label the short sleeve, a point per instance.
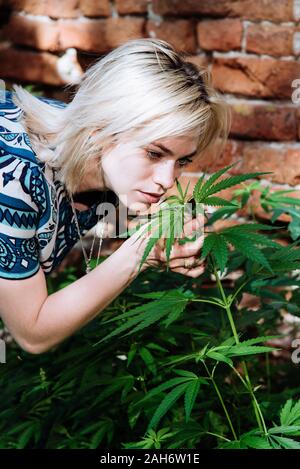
(19, 252)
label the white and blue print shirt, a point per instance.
(37, 225)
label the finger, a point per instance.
(188, 249)
(194, 225)
(187, 262)
(194, 273)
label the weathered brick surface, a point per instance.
(206, 30)
(95, 8)
(53, 8)
(223, 35)
(89, 35)
(261, 77)
(125, 7)
(282, 160)
(179, 33)
(273, 10)
(62, 8)
(100, 35)
(264, 122)
(270, 39)
(31, 66)
(199, 60)
(40, 34)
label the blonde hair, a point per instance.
(143, 88)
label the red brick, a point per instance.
(264, 122)
(283, 160)
(89, 35)
(41, 34)
(95, 8)
(223, 35)
(100, 35)
(180, 33)
(53, 8)
(30, 67)
(269, 78)
(62, 8)
(272, 10)
(125, 7)
(270, 39)
(199, 60)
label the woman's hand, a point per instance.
(184, 259)
(189, 265)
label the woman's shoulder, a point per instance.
(14, 139)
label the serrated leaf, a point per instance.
(256, 442)
(172, 303)
(225, 212)
(170, 238)
(218, 202)
(201, 187)
(286, 430)
(246, 227)
(167, 403)
(285, 412)
(248, 249)
(190, 397)
(171, 383)
(148, 359)
(219, 357)
(290, 414)
(287, 443)
(220, 252)
(240, 349)
(263, 338)
(186, 373)
(208, 244)
(231, 181)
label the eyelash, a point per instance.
(185, 161)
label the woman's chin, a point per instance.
(132, 204)
(135, 207)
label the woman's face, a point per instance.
(132, 172)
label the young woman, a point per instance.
(138, 117)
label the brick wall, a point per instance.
(251, 46)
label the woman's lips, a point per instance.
(150, 198)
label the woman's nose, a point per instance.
(165, 175)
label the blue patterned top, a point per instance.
(37, 225)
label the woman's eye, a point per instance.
(153, 155)
(184, 161)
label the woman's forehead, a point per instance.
(173, 144)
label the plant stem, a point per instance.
(255, 400)
(218, 436)
(257, 410)
(221, 400)
(268, 372)
(208, 301)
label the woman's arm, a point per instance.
(38, 321)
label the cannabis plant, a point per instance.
(176, 362)
(265, 257)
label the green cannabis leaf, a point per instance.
(168, 222)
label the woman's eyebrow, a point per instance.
(169, 152)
